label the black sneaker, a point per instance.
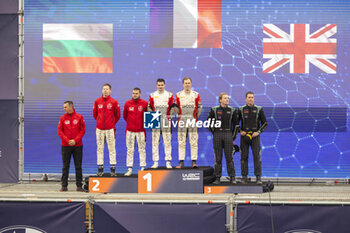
(258, 180)
(181, 165)
(244, 179)
(100, 171)
(63, 189)
(217, 180)
(233, 180)
(113, 171)
(194, 164)
(80, 189)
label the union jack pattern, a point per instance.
(299, 48)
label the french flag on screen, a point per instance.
(185, 23)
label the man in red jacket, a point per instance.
(133, 115)
(106, 113)
(71, 129)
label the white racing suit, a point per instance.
(189, 107)
(161, 101)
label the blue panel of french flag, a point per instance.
(185, 23)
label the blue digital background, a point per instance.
(307, 114)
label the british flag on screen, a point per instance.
(304, 44)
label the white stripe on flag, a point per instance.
(185, 23)
(78, 32)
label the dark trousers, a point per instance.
(67, 152)
(255, 145)
(223, 140)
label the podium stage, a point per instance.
(162, 180)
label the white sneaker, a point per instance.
(155, 165)
(168, 165)
(142, 168)
(129, 172)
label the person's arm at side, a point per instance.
(150, 106)
(263, 121)
(117, 113)
(125, 112)
(235, 124)
(95, 110)
(211, 117)
(176, 107)
(199, 105)
(240, 119)
(82, 130)
(170, 105)
(60, 130)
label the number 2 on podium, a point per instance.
(148, 178)
(96, 188)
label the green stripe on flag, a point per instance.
(77, 48)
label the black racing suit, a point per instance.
(252, 120)
(224, 136)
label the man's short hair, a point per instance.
(108, 85)
(69, 102)
(249, 92)
(160, 80)
(222, 94)
(137, 89)
(186, 78)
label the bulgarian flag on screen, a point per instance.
(185, 23)
(78, 48)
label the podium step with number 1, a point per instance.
(171, 181)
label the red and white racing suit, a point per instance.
(161, 101)
(133, 115)
(189, 108)
(106, 112)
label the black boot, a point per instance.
(244, 179)
(233, 180)
(258, 180)
(217, 180)
(100, 170)
(113, 171)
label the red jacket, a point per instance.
(71, 126)
(106, 113)
(133, 114)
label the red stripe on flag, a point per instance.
(330, 65)
(77, 65)
(276, 65)
(323, 31)
(272, 33)
(209, 24)
(300, 48)
(290, 48)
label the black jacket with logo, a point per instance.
(228, 117)
(252, 118)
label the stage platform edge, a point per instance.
(226, 187)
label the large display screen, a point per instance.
(294, 55)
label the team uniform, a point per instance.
(72, 126)
(162, 102)
(189, 108)
(106, 112)
(223, 138)
(252, 120)
(133, 115)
